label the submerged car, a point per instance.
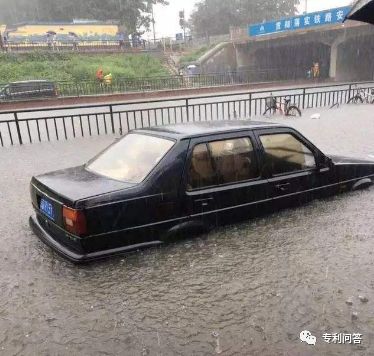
(158, 183)
(29, 89)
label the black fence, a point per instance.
(124, 85)
(29, 126)
(81, 46)
(36, 89)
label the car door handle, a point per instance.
(204, 202)
(283, 187)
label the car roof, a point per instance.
(32, 81)
(205, 128)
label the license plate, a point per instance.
(47, 209)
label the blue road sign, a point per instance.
(314, 19)
(179, 37)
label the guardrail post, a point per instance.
(18, 129)
(112, 118)
(250, 105)
(187, 111)
(304, 98)
(350, 90)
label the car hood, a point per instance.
(350, 160)
(77, 183)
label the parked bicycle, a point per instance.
(363, 96)
(285, 108)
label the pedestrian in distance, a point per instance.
(108, 79)
(121, 38)
(49, 40)
(54, 42)
(5, 42)
(100, 75)
(309, 73)
(316, 70)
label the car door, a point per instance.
(18, 91)
(293, 166)
(222, 179)
(198, 187)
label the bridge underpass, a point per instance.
(344, 52)
(289, 61)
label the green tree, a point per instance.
(214, 17)
(133, 14)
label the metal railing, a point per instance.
(54, 124)
(27, 44)
(82, 46)
(125, 85)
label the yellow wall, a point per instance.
(2, 29)
(79, 29)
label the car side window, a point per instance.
(284, 153)
(234, 160)
(201, 172)
(222, 162)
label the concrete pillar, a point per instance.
(333, 59)
(334, 48)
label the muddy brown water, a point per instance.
(246, 289)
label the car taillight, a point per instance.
(74, 221)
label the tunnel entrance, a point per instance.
(291, 62)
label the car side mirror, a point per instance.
(324, 164)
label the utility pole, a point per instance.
(184, 28)
(306, 6)
(153, 26)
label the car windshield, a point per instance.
(132, 158)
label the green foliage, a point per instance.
(76, 67)
(214, 17)
(131, 13)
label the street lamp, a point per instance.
(182, 23)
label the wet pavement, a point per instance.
(247, 289)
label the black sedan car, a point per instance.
(28, 90)
(159, 183)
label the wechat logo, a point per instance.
(306, 336)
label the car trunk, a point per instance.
(51, 191)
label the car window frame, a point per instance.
(266, 132)
(215, 138)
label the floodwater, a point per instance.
(247, 289)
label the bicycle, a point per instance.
(286, 108)
(362, 96)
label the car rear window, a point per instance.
(132, 158)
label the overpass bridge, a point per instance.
(345, 52)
